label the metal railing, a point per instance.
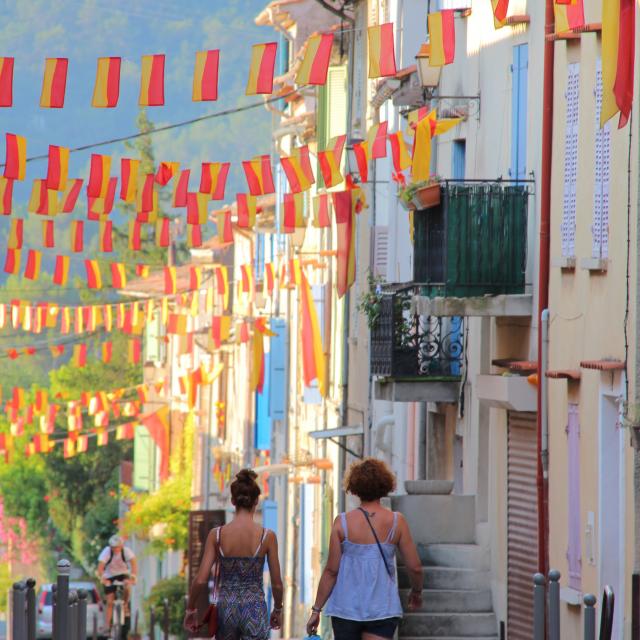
(546, 610)
(406, 344)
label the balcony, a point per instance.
(470, 251)
(415, 357)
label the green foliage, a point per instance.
(5, 584)
(174, 590)
(370, 302)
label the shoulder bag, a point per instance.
(375, 535)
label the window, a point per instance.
(519, 88)
(458, 159)
(600, 226)
(568, 227)
(574, 547)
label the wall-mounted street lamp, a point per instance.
(429, 76)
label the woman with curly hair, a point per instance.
(358, 584)
(240, 547)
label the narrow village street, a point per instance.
(319, 319)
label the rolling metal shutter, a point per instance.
(522, 523)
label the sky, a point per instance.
(83, 30)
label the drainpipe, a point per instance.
(543, 279)
(544, 394)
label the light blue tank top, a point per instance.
(364, 590)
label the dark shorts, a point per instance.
(111, 589)
(353, 629)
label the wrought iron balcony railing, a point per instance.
(407, 345)
(474, 242)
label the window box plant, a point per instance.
(420, 195)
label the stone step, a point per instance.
(451, 601)
(449, 578)
(448, 624)
(465, 556)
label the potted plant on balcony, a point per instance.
(370, 302)
(420, 195)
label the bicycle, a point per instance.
(118, 613)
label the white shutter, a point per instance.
(568, 228)
(380, 239)
(600, 224)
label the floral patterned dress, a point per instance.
(242, 610)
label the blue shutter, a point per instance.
(260, 256)
(459, 159)
(263, 419)
(519, 112)
(278, 370)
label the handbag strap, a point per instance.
(216, 570)
(375, 535)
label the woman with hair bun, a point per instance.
(358, 584)
(240, 547)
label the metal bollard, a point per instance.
(152, 624)
(95, 626)
(589, 617)
(31, 609)
(538, 606)
(73, 615)
(554, 605)
(19, 618)
(165, 616)
(62, 600)
(82, 614)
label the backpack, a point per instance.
(108, 562)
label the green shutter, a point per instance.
(153, 344)
(144, 460)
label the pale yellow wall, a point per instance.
(587, 314)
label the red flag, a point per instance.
(58, 168)
(377, 140)
(15, 164)
(106, 236)
(12, 261)
(6, 196)
(54, 83)
(106, 90)
(205, 76)
(214, 178)
(157, 425)
(263, 60)
(48, 238)
(181, 189)
(343, 204)
(361, 152)
(70, 195)
(152, 81)
(315, 64)
(623, 87)
(77, 236)
(6, 82)
(61, 271)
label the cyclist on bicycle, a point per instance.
(116, 563)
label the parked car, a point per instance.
(95, 610)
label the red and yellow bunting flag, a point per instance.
(361, 152)
(213, 179)
(421, 161)
(170, 285)
(166, 171)
(269, 278)
(135, 235)
(129, 169)
(58, 168)
(99, 174)
(77, 236)
(442, 37)
(297, 168)
(6, 82)
(70, 195)
(157, 424)
(399, 152)
(99, 207)
(43, 201)
(16, 230)
(569, 15)
(194, 236)
(54, 83)
(106, 91)
(225, 228)
(205, 76)
(197, 208)
(94, 277)
(313, 360)
(105, 236)
(80, 354)
(246, 278)
(15, 164)
(181, 189)
(82, 444)
(500, 8)
(152, 81)
(32, 270)
(256, 381)
(102, 438)
(145, 196)
(163, 232)
(69, 448)
(346, 204)
(382, 56)
(107, 352)
(6, 196)
(177, 324)
(618, 55)
(195, 278)
(222, 284)
(263, 61)
(220, 329)
(321, 211)
(293, 212)
(247, 208)
(134, 351)
(330, 160)
(125, 431)
(61, 271)
(315, 63)
(48, 234)
(377, 140)
(259, 175)
(118, 275)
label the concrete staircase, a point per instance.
(457, 593)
